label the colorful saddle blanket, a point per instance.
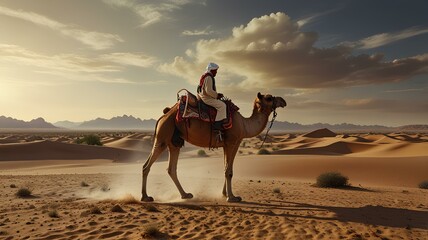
(190, 107)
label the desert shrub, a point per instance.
(84, 184)
(95, 210)
(263, 151)
(202, 153)
(423, 185)
(13, 186)
(90, 140)
(151, 231)
(3, 233)
(53, 214)
(332, 180)
(277, 190)
(117, 208)
(23, 193)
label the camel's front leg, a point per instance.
(156, 151)
(229, 155)
(172, 171)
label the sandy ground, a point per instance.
(279, 199)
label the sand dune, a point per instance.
(133, 142)
(128, 146)
(320, 133)
(48, 150)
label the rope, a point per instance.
(271, 123)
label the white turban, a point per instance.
(212, 66)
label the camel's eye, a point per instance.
(269, 99)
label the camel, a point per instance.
(196, 133)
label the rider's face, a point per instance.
(214, 72)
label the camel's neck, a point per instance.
(255, 124)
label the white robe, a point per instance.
(209, 96)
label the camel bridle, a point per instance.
(273, 119)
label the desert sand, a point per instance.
(280, 200)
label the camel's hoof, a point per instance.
(147, 199)
(234, 199)
(187, 196)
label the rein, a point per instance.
(271, 123)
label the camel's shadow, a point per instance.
(374, 215)
(371, 215)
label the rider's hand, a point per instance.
(220, 95)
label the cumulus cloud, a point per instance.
(271, 52)
(95, 40)
(149, 13)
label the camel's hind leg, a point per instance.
(172, 170)
(156, 151)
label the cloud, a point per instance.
(132, 59)
(203, 32)
(63, 62)
(95, 40)
(310, 19)
(271, 52)
(383, 39)
(72, 66)
(150, 13)
(405, 90)
(361, 104)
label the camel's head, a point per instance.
(267, 103)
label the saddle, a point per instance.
(189, 106)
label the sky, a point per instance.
(333, 61)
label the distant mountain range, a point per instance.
(130, 122)
(123, 122)
(7, 122)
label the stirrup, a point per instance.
(219, 136)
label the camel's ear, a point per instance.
(259, 96)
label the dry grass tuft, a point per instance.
(23, 193)
(84, 184)
(332, 180)
(423, 185)
(263, 151)
(53, 214)
(151, 231)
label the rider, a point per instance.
(208, 93)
